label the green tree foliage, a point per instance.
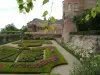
(9, 27)
(45, 13)
(88, 22)
(24, 29)
(27, 5)
(94, 12)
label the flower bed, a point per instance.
(37, 64)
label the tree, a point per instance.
(94, 12)
(9, 27)
(24, 29)
(85, 25)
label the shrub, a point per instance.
(29, 45)
(90, 66)
(91, 24)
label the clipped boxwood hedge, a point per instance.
(8, 54)
(23, 48)
(29, 45)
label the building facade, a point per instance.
(72, 8)
(36, 27)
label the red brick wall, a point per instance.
(90, 3)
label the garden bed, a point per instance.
(8, 54)
(31, 56)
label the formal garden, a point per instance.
(30, 57)
(68, 53)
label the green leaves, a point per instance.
(93, 12)
(45, 24)
(46, 30)
(87, 17)
(98, 8)
(45, 13)
(25, 6)
(30, 5)
(52, 27)
(27, 9)
(21, 6)
(98, 3)
(20, 2)
(29, 1)
(53, 20)
(45, 1)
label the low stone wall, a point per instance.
(84, 44)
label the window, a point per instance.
(76, 6)
(69, 6)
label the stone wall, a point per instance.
(84, 43)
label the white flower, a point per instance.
(91, 51)
(81, 59)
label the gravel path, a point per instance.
(10, 44)
(64, 69)
(17, 58)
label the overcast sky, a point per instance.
(9, 12)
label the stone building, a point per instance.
(70, 9)
(35, 27)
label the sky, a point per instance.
(9, 12)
